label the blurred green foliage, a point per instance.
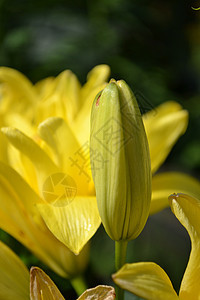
(155, 47)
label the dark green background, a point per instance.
(155, 47)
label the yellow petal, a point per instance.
(187, 211)
(18, 121)
(43, 164)
(72, 159)
(15, 158)
(164, 126)
(81, 125)
(101, 292)
(51, 107)
(59, 97)
(68, 87)
(73, 224)
(42, 287)
(17, 206)
(7, 174)
(3, 145)
(44, 87)
(164, 184)
(17, 90)
(97, 78)
(57, 134)
(14, 276)
(20, 218)
(146, 280)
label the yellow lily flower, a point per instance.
(24, 222)
(16, 283)
(148, 280)
(61, 146)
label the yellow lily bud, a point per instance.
(120, 162)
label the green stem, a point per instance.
(79, 284)
(120, 259)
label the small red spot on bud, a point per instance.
(98, 99)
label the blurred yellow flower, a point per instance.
(148, 280)
(51, 153)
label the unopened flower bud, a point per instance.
(120, 162)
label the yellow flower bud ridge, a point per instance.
(120, 162)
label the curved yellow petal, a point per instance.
(44, 87)
(8, 176)
(18, 92)
(20, 218)
(17, 206)
(68, 87)
(57, 134)
(58, 97)
(96, 81)
(164, 184)
(96, 77)
(50, 107)
(3, 144)
(49, 103)
(164, 126)
(72, 159)
(43, 164)
(81, 125)
(14, 276)
(42, 287)
(187, 211)
(18, 121)
(100, 292)
(73, 224)
(10, 154)
(146, 280)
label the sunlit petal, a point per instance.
(42, 287)
(187, 211)
(11, 155)
(73, 224)
(17, 90)
(43, 164)
(9, 176)
(3, 144)
(164, 125)
(72, 159)
(146, 280)
(68, 87)
(97, 76)
(164, 184)
(20, 218)
(96, 81)
(45, 87)
(14, 276)
(21, 123)
(101, 292)
(59, 97)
